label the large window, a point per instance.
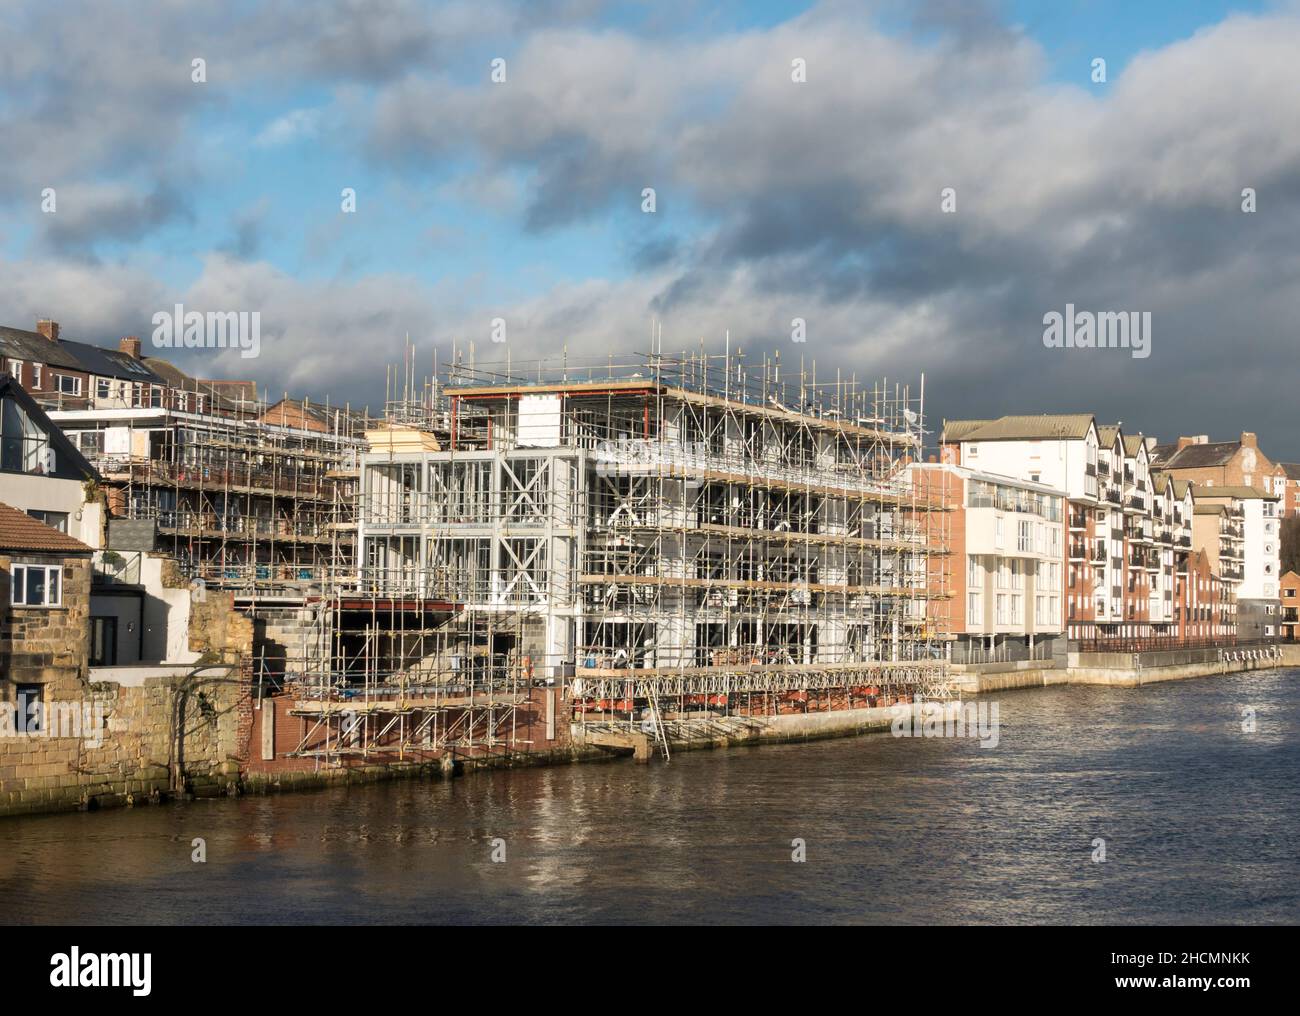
(24, 447)
(37, 585)
(67, 384)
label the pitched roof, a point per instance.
(19, 531)
(20, 344)
(1133, 443)
(225, 395)
(1195, 456)
(1106, 435)
(1239, 492)
(1161, 452)
(956, 430)
(1292, 470)
(109, 362)
(1034, 427)
(1210, 509)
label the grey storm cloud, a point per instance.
(779, 200)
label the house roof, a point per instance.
(956, 430)
(1196, 456)
(1162, 452)
(1292, 470)
(19, 531)
(1106, 434)
(110, 362)
(20, 344)
(225, 395)
(1210, 509)
(1133, 443)
(1035, 427)
(1241, 493)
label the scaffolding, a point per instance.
(647, 542)
(246, 495)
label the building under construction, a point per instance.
(634, 546)
(247, 496)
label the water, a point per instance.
(1201, 822)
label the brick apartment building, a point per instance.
(1000, 585)
(1290, 606)
(1153, 556)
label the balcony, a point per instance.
(1112, 496)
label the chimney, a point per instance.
(50, 329)
(1183, 442)
(1248, 440)
(130, 346)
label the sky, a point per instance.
(774, 199)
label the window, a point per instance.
(973, 611)
(37, 585)
(36, 375)
(16, 369)
(997, 531)
(30, 708)
(55, 520)
(24, 446)
(67, 384)
(156, 397)
(102, 388)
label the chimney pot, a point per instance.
(50, 329)
(130, 346)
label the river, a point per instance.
(1200, 818)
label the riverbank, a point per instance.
(31, 785)
(1121, 670)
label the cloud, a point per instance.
(778, 200)
(85, 215)
(298, 125)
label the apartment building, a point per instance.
(1207, 611)
(1128, 529)
(1290, 586)
(1005, 567)
(1244, 540)
(1208, 463)
(1289, 507)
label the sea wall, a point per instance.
(1121, 670)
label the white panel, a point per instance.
(539, 421)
